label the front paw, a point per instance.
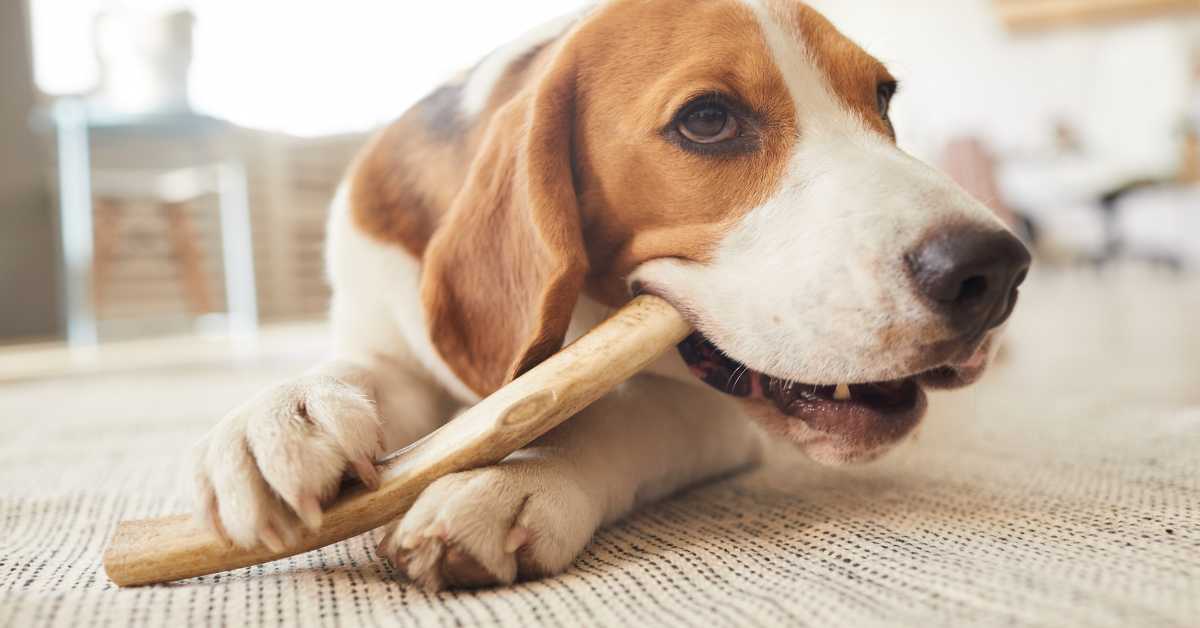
(522, 519)
(264, 471)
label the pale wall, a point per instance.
(27, 247)
(1123, 86)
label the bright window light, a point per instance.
(301, 67)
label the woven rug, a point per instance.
(1064, 491)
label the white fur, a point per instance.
(293, 441)
(377, 290)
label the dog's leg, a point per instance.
(266, 468)
(532, 514)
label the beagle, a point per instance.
(734, 157)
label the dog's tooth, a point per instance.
(842, 393)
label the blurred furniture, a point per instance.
(1106, 212)
(1045, 14)
(968, 161)
(1189, 162)
(1156, 221)
(1061, 193)
(87, 241)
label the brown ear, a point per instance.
(503, 272)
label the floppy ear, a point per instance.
(503, 272)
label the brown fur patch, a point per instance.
(394, 200)
(502, 275)
(409, 174)
(644, 198)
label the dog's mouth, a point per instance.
(860, 417)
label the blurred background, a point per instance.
(165, 165)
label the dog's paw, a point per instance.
(265, 470)
(522, 519)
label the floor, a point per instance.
(1063, 490)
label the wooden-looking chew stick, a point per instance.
(173, 548)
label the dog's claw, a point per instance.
(517, 538)
(367, 472)
(270, 538)
(309, 512)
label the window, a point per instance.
(305, 67)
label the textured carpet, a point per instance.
(1063, 491)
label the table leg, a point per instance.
(75, 222)
(238, 249)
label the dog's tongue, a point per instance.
(795, 399)
(791, 398)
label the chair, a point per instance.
(91, 212)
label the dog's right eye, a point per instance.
(713, 125)
(708, 123)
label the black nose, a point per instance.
(971, 275)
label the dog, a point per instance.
(734, 157)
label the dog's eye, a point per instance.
(884, 93)
(708, 123)
(714, 125)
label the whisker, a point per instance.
(736, 377)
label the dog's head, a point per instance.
(736, 158)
